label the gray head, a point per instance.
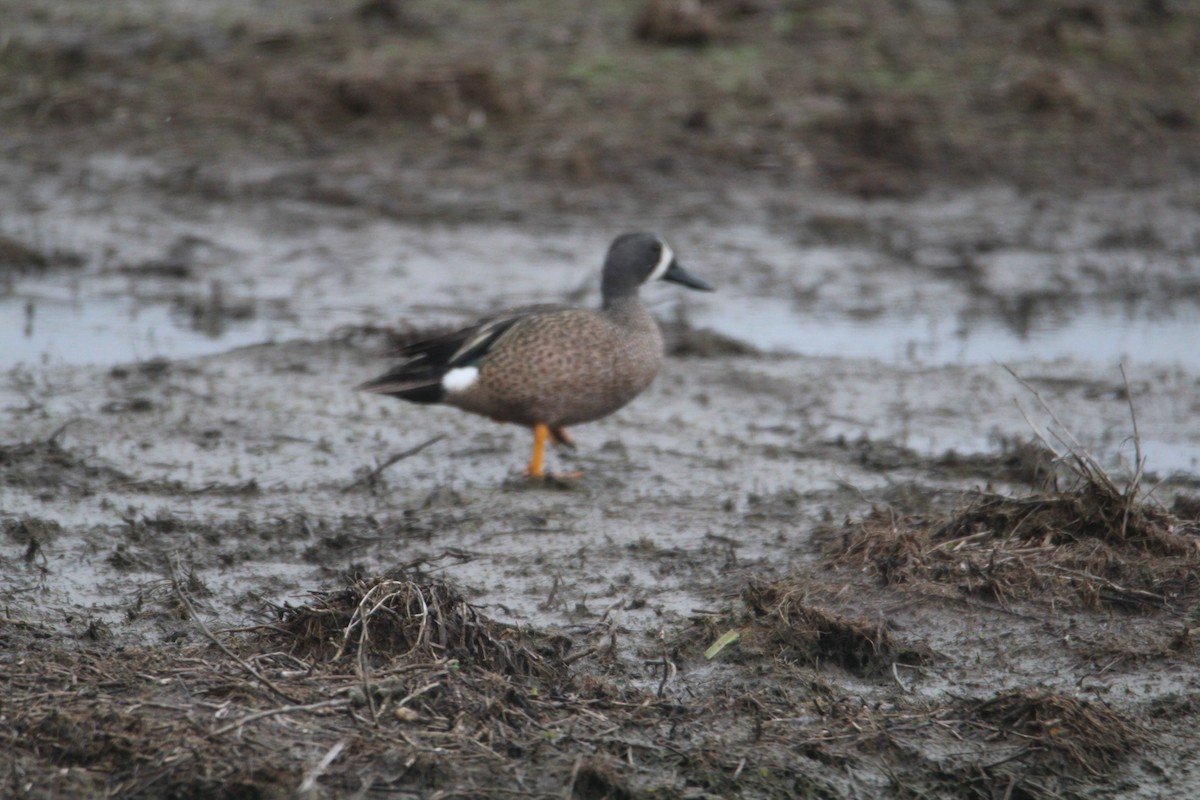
(637, 258)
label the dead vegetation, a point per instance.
(783, 626)
(813, 635)
(1042, 548)
(867, 97)
(1038, 744)
(1057, 728)
(396, 620)
(398, 685)
(1097, 542)
(394, 685)
(387, 685)
(678, 22)
(454, 93)
(18, 257)
(47, 466)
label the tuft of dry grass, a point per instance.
(18, 257)
(395, 621)
(1040, 548)
(1085, 735)
(451, 92)
(1099, 541)
(675, 22)
(783, 625)
(47, 464)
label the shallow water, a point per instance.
(108, 331)
(1102, 334)
(39, 327)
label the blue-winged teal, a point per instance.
(547, 367)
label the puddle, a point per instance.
(110, 330)
(107, 331)
(1169, 458)
(1100, 335)
(298, 271)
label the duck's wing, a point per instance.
(418, 378)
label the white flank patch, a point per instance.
(664, 261)
(460, 378)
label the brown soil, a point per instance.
(866, 97)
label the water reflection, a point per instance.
(1039, 329)
(110, 330)
(107, 331)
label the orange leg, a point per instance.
(536, 468)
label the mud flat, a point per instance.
(211, 586)
(911, 511)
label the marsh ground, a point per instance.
(215, 221)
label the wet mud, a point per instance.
(912, 510)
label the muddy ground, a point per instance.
(911, 511)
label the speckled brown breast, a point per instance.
(567, 367)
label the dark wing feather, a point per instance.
(418, 378)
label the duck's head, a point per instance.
(637, 258)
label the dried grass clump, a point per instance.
(1084, 734)
(1044, 547)
(1097, 507)
(1098, 541)
(19, 257)
(1088, 512)
(46, 463)
(676, 22)
(75, 723)
(596, 778)
(389, 619)
(454, 92)
(813, 635)
(1049, 91)
(1186, 507)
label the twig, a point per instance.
(571, 659)
(245, 665)
(270, 712)
(374, 474)
(668, 665)
(1086, 466)
(1137, 437)
(954, 544)
(569, 791)
(310, 780)
(53, 438)
(900, 683)
(1156, 600)
(364, 668)
(1139, 459)
(414, 694)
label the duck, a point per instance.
(549, 367)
